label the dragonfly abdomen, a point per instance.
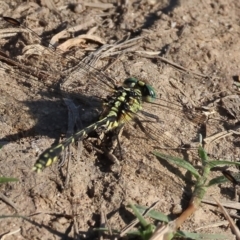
(49, 156)
(123, 105)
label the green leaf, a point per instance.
(188, 235)
(202, 154)
(153, 214)
(141, 219)
(6, 179)
(180, 162)
(214, 163)
(237, 84)
(13, 216)
(217, 180)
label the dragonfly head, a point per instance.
(148, 92)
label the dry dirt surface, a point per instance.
(189, 51)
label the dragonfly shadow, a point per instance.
(174, 170)
(185, 177)
(47, 116)
(227, 191)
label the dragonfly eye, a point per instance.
(130, 82)
(149, 93)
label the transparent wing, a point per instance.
(175, 130)
(51, 66)
(165, 127)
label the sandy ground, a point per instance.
(187, 50)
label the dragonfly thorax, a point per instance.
(123, 104)
(147, 91)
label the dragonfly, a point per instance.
(133, 103)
